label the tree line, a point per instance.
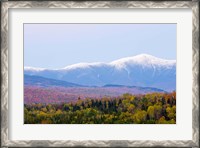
(154, 108)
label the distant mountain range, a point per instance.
(141, 70)
(39, 81)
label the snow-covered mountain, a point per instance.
(141, 70)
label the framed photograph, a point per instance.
(99, 73)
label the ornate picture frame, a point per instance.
(6, 5)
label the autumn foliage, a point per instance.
(154, 108)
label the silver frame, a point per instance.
(5, 142)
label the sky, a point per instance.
(55, 46)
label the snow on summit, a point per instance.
(34, 69)
(144, 60)
(83, 65)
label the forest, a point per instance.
(152, 108)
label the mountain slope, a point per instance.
(46, 82)
(141, 70)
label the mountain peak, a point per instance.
(144, 60)
(83, 65)
(145, 56)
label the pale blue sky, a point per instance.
(59, 45)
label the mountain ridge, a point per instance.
(136, 58)
(141, 70)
